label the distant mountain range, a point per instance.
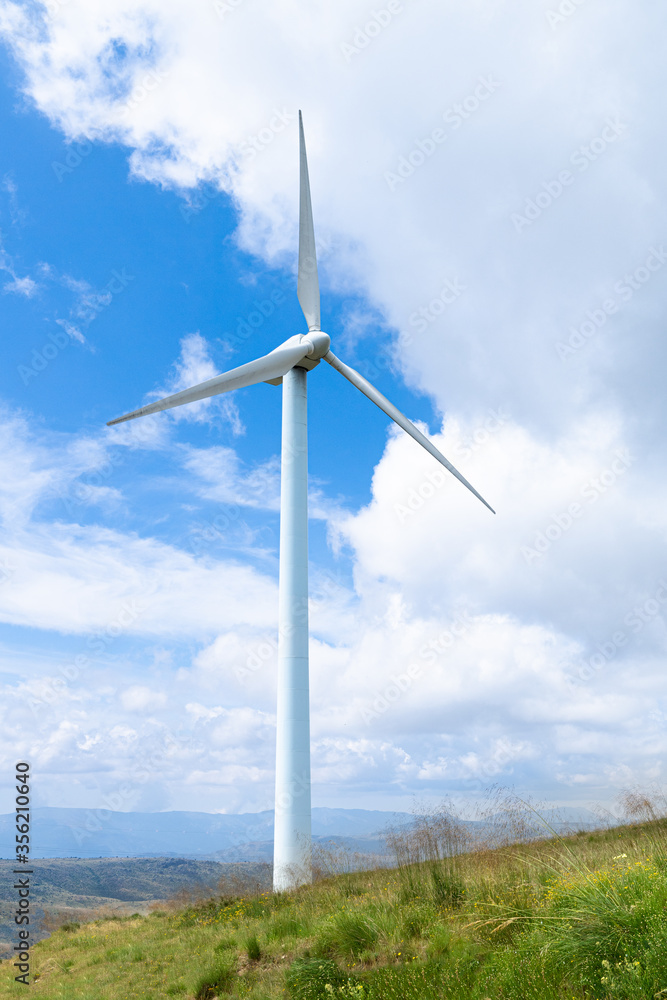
(89, 833)
(222, 837)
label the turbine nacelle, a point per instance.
(316, 344)
(319, 346)
(320, 341)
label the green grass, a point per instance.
(584, 918)
(219, 979)
(253, 949)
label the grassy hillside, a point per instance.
(59, 880)
(583, 918)
(66, 889)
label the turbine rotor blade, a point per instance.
(376, 397)
(308, 287)
(270, 366)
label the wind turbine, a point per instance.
(289, 364)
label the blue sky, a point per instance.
(490, 223)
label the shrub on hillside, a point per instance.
(601, 931)
(308, 979)
(225, 944)
(252, 948)
(348, 934)
(286, 927)
(219, 979)
(447, 889)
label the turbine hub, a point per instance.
(320, 343)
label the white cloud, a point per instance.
(195, 97)
(156, 76)
(148, 433)
(139, 698)
(22, 286)
(17, 213)
(194, 366)
(71, 330)
(198, 712)
(25, 286)
(223, 478)
(549, 547)
(92, 578)
(75, 578)
(438, 671)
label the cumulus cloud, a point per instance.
(82, 579)
(560, 506)
(499, 204)
(221, 477)
(156, 76)
(140, 698)
(195, 365)
(74, 578)
(22, 286)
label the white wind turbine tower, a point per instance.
(289, 364)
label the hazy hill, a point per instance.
(83, 833)
(86, 833)
(75, 881)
